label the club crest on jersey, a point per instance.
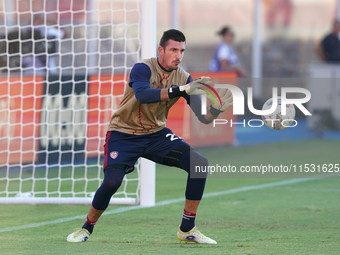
(114, 154)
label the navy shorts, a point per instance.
(123, 150)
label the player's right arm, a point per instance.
(214, 110)
(140, 83)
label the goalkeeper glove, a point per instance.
(190, 88)
(226, 99)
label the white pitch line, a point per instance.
(162, 203)
(310, 189)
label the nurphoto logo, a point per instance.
(238, 106)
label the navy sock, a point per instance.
(89, 225)
(112, 181)
(188, 221)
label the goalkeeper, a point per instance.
(137, 129)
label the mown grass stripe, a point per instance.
(162, 203)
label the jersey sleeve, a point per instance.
(195, 103)
(140, 83)
(140, 73)
(190, 79)
(144, 94)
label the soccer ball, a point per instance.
(276, 120)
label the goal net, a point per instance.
(63, 69)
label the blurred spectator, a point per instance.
(329, 48)
(278, 13)
(44, 51)
(224, 58)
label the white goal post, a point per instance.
(63, 69)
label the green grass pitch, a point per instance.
(294, 218)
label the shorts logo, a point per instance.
(114, 154)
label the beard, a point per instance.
(169, 67)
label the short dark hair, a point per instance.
(224, 30)
(171, 34)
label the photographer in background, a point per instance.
(329, 48)
(224, 58)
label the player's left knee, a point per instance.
(187, 159)
(196, 161)
(175, 157)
